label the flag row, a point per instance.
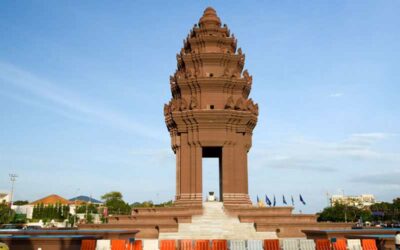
(273, 202)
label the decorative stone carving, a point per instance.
(188, 73)
(196, 70)
(226, 71)
(194, 89)
(229, 103)
(247, 76)
(249, 104)
(183, 104)
(166, 109)
(172, 80)
(239, 104)
(236, 74)
(174, 105)
(255, 111)
(193, 103)
(241, 61)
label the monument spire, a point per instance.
(210, 113)
(209, 18)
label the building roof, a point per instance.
(3, 195)
(52, 199)
(84, 198)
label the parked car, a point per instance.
(11, 227)
(32, 227)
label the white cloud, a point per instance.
(67, 102)
(336, 95)
(391, 179)
(323, 156)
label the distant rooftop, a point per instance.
(85, 198)
(51, 199)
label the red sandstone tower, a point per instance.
(210, 113)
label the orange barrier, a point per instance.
(271, 245)
(167, 245)
(135, 245)
(369, 244)
(219, 245)
(202, 245)
(322, 244)
(340, 244)
(88, 245)
(186, 245)
(118, 244)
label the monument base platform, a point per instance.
(215, 220)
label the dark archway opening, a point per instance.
(212, 156)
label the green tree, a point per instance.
(87, 208)
(19, 218)
(6, 213)
(115, 204)
(20, 203)
(72, 219)
(341, 213)
(112, 195)
(89, 218)
(169, 203)
(386, 211)
(66, 211)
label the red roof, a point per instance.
(52, 199)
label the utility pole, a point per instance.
(13, 178)
(345, 207)
(328, 199)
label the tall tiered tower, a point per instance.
(210, 113)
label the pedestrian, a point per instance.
(397, 240)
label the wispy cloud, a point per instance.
(336, 95)
(68, 102)
(387, 179)
(323, 156)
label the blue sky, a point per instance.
(83, 83)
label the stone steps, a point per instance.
(214, 223)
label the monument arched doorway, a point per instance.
(207, 174)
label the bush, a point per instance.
(6, 213)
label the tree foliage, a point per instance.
(112, 195)
(386, 211)
(383, 211)
(6, 213)
(19, 218)
(151, 204)
(340, 212)
(20, 203)
(115, 204)
(87, 208)
(57, 212)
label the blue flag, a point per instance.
(258, 199)
(274, 201)
(302, 200)
(284, 200)
(292, 200)
(267, 201)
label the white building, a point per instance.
(360, 201)
(5, 197)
